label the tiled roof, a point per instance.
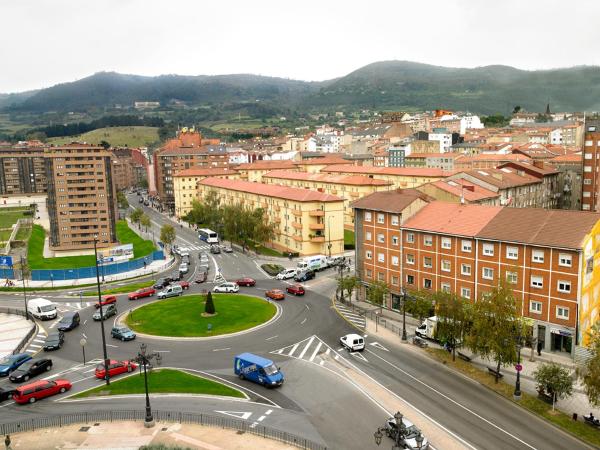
(270, 190)
(358, 180)
(501, 178)
(452, 218)
(495, 157)
(435, 155)
(389, 201)
(206, 149)
(572, 157)
(526, 166)
(471, 193)
(267, 165)
(550, 228)
(327, 160)
(204, 172)
(400, 171)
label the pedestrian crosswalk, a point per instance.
(37, 342)
(311, 349)
(72, 306)
(351, 315)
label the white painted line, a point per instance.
(261, 418)
(293, 349)
(83, 334)
(359, 356)
(244, 415)
(113, 346)
(35, 345)
(272, 337)
(307, 307)
(91, 370)
(269, 412)
(322, 363)
(327, 351)
(302, 323)
(221, 349)
(280, 351)
(162, 351)
(85, 321)
(39, 340)
(316, 351)
(253, 424)
(378, 345)
(305, 349)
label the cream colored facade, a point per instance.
(399, 177)
(307, 227)
(185, 184)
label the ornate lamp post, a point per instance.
(143, 359)
(106, 360)
(518, 367)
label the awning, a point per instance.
(561, 332)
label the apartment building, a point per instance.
(129, 167)
(81, 197)
(254, 171)
(460, 191)
(400, 177)
(488, 160)
(570, 168)
(347, 187)
(591, 166)
(444, 161)
(546, 257)
(185, 185)
(22, 169)
(307, 222)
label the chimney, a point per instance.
(539, 164)
(469, 187)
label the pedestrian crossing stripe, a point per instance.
(308, 350)
(351, 316)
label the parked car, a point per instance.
(106, 300)
(161, 283)
(353, 342)
(184, 284)
(245, 281)
(411, 433)
(141, 293)
(334, 261)
(170, 291)
(286, 274)
(175, 276)
(6, 393)
(32, 392)
(202, 256)
(201, 278)
(54, 340)
(30, 369)
(123, 333)
(69, 321)
(227, 288)
(226, 248)
(215, 249)
(12, 362)
(109, 311)
(296, 289)
(115, 368)
(305, 275)
(183, 268)
(275, 294)
(204, 267)
(185, 259)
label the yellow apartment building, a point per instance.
(400, 177)
(185, 184)
(308, 222)
(254, 171)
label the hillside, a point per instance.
(381, 85)
(116, 136)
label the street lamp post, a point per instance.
(329, 235)
(24, 289)
(102, 265)
(144, 359)
(404, 337)
(518, 367)
(106, 360)
(398, 434)
(342, 266)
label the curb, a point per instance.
(344, 317)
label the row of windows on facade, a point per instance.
(562, 312)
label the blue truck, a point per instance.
(258, 369)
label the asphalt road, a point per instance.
(315, 401)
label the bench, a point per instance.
(542, 394)
(464, 357)
(494, 372)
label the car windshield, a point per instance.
(100, 367)
(412, 432)
(47, 308)
(6, 361)
(271, 369)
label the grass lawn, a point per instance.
(36, 249)
(8, 218)
(5, 235)
(163, 381)
(23, 234)
(122, 289)
(116, 136)
(235, 312)
(348, 239)
(530, 402)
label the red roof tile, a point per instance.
(399, 171)
(204, 172)
(357, 180)
(471, 193)
(390, 201)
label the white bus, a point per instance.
(209, 236)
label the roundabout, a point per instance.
(185, 316)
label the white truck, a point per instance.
(41, 308)
(316, 263)
(427, 328)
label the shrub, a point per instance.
(272, 269)
(209, 307)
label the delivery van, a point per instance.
(170, 291)
(427, 328)
(258, 369)
(41, 308)
(316, 263)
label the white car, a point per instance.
(226, 288)
(183, 268)
(353, 342)
(286, 274)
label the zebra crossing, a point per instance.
(37, 343)
(351, 316)
(72, 306)
(315, 351)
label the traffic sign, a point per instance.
(6, 260)
(519, 367)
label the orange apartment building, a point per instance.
(411, 243)
(591, 166)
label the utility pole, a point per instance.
(106, 360)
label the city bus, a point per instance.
(204, 234)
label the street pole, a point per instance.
(517, 393)
(143, 358)
(329, 235)
(149, 420)
(106, 360)
(24, 289)
(404, 337)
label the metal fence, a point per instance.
(56, 421)
(374, 315)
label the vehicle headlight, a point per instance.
(273, 382)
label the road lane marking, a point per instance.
(316, 351)
(305, 349)
(244, 415)
(302, 323)
(221, 349)
(293, 349)
(113, 346)
(272, 337)
(378, 345)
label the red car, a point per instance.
(30, 393)
(245, 282)
(141, 293)
(115, 368)
(296, 289)
(106, 300)
(275, 294)
(183, 284)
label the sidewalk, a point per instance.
(577, 403)
(13, 329)
(133, 435)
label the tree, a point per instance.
(143, 183)
(209, 306)
(167, 234)
(136, 215)
(590, 371)
(145, 221)
(554, 380)
(122, 200)
(420, 305)
(377, 292)
(516, 109)
(495, 326)
(346, 286)
(105, 144)
(454, 318)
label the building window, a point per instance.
(380, 218)
(564, 286)
(512, 253)
(465, 293)
(487, 273)
(427, 283)
(465, 269)
(369, 273)
(394, 240)
(537, 281)
(466, 246)
(535, 307)
(445, 287)
(488, 249)
(537, 256)
(395, 220)
(564, 260)
(410, 279)
(446, 243)
(369, 254)
(395, 280)
(395, 260)
(367, 216)
(562, 312)
(511, 277)
(381, 257)
(380, 276)
(410, 238)
(410, 258)
(428, 240)
(368, 236)
(427, 262)
(380, 238)
(446, 265)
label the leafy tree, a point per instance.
(497, 120)
(555, 380)
(209, 306)
(145, 221)
(495, 326)
(136, 215)
(122, 200)
(377, 292)
(167, 234)
(105, 144)
(143, 183)
(516, 109)
(454, 318)
(590, 371)
(419, 304)
(346, 286)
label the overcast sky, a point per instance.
(44, 42)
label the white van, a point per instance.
(353, 342)
(41, 308)
(316, 263)
(170, 291)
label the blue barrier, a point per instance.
(90, 272)
(7, 273)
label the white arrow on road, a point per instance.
(359, 356)
(378, 345)
(239, 414)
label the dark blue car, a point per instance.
(11, 362)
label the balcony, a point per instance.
(297, 212)
(297, 226)
(317, 239)
(316, 213)
(297, 238)
(317, 226)
(354, 194)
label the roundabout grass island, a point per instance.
(183, 316)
